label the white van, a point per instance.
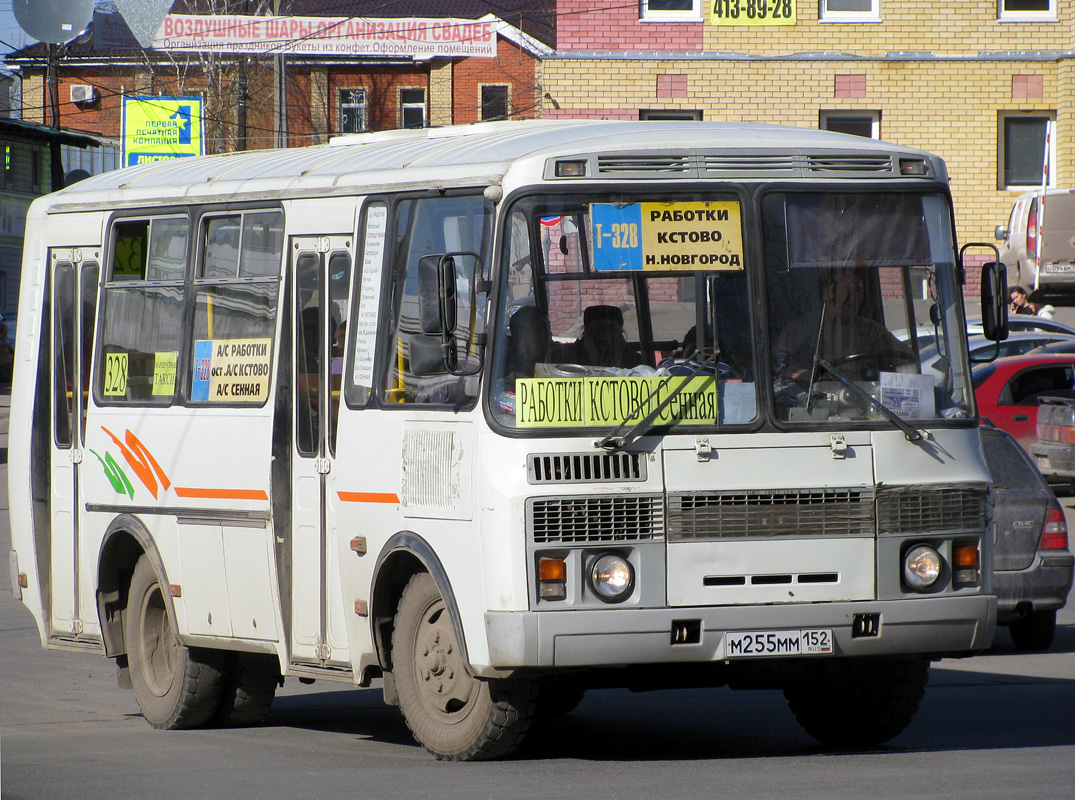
(1018, 252)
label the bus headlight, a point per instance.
(612, 577)
(921, 566)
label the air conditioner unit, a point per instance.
(83, 93)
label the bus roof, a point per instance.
(482, 153)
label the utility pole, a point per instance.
(279, 94)
(53, 83)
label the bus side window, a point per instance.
(141, 311)
(235, 295)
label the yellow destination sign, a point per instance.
(603, 402)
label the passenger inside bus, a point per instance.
(602, 343)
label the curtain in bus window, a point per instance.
(840, 230)
(140, 334)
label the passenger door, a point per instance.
(73, 304)
(321, 278)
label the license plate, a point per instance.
(1060, 268)
(777, 643)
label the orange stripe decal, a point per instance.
(221, 494)
(368, 497)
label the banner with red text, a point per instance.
(357, 36)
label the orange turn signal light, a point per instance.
(965, 556)
(552, 569)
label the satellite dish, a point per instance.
(53, 21)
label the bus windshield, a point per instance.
(619, 309)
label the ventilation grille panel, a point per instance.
(607, 165)
(767, 514)
(915, 510)
(573, 520)
(849, 163)
(585, 467)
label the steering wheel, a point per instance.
(866, 365)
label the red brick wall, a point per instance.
(614, 25)
(512, 67)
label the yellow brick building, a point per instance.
(975, 81)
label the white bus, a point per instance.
(502, 413)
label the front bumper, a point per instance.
(1042, 586)
(616, 636)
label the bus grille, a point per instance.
(646, 163)
(624, 518)
(585, 467)
(910, 509)
(849, 163)
(767, 513)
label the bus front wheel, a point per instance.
(858, 702)
(455, 716)
(175, 686)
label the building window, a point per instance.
(672, 10)
(859, 123)
(353, 111)
(1022, 150)
(850, 10)
(1027, 10)
(670, 113)
(412, 108)
(495, 102)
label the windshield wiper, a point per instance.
(912, 433)
(616, 442)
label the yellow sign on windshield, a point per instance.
(603, 402)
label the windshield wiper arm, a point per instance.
(912, 433)
(616, 442)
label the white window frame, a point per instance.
(693, 15)
(873, 15)
(874, 118)
(1001, 146)
(1049, 15)
(364, 106)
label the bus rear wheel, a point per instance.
(175, 686)
(851, 703)
(455, 716)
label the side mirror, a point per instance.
(1000, 232)
(437, 294)
(995, 301)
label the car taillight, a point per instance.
(1032, 230)
(1054, 534)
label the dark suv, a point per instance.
(1032, 564)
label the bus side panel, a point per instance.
(29, 524)
(209, 460)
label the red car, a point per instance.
(1008, 389)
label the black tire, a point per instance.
(858, 703)
(455, 716)
(249, 689)
(1035, 631)
(175, 686)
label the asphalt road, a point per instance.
(1000, 725)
